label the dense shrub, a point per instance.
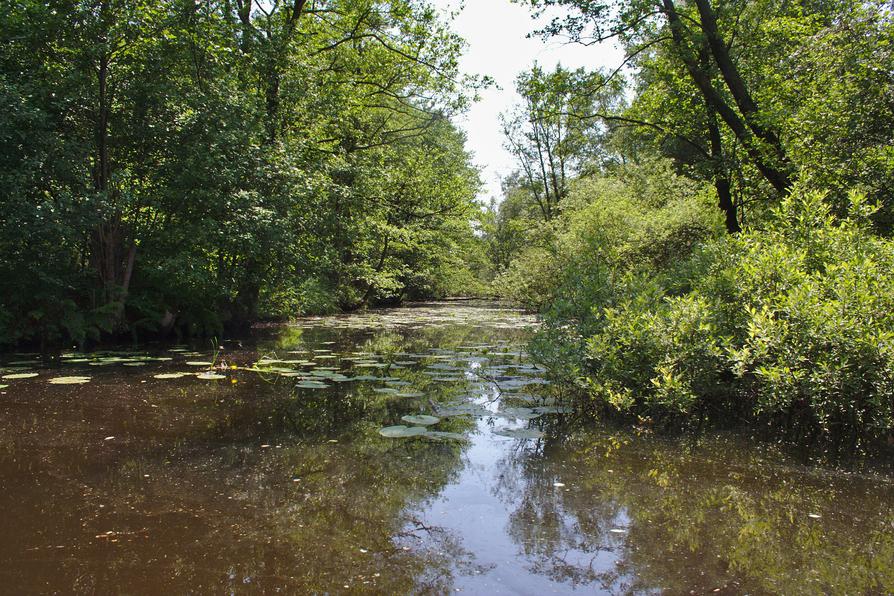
(642, 218)
(791, 325)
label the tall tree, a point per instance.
(552, 133)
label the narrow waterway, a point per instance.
(411, 450)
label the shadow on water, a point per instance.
(269, 473)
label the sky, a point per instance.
(496, 33)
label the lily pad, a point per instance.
(311, 385)
(198, 363)
(519, 433)
(210, 376)
(29, 375)
(175, 375)
(69, 380)
(437, 434)
(553, 410)
(400, 431)
(409, 394)
(422, 419)
(389, 390)
(366, 378)
(520, 413)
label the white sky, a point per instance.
(495, 31)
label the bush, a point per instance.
(642, 218)
(310, 297)
(792, 325)
(819, 298)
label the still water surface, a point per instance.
(270, 474)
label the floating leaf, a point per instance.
(437, 434)
(552, 410)
(210, 376)
(29, 375)
(464, 410)
(519, 433)
(423, 419)
(520, 413)
(175, 375)
(325, 373)
(69, 380)
(366, 378)
(312, 385)
(400, 431)
(198, 363)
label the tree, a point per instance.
(552, 133)
(741, 59)
(201, 163)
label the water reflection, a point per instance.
(275, 478)
(626, 515)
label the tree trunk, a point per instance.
(378, 268)
(777, 178)
(721, 173)
(734, 81)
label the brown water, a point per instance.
(275, 478)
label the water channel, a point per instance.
(411, 450)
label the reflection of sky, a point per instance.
(478, 511)
(481, 505)
(496, 32)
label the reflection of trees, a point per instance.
(194, 504)
(715, 517)
(567, 544)
(214, 511)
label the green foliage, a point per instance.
(779, 114)
(791, 324)
(642, 217)
(198, 166)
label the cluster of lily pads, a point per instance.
(498, 369)
(27, 368)
(420, 423)
(427, 316)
